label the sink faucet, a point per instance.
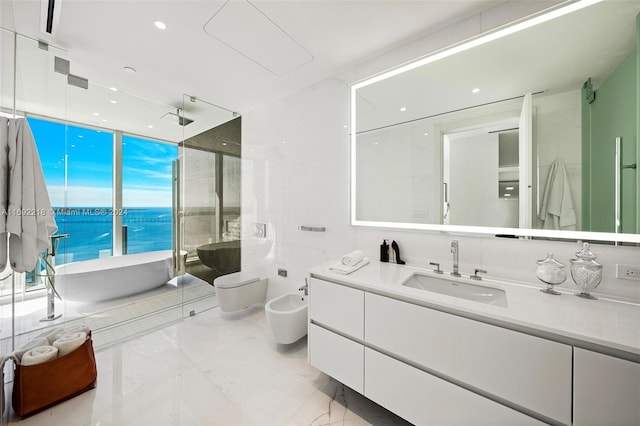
(454, 250)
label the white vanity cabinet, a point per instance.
(336, 315)
(606, 390)
(337, 307)
(424, 399)
(525, 370)
(432, 366)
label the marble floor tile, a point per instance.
(211, 369)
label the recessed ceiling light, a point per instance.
(426, 133)
(375, 143)
(97, 114)
(129, 70)
(113, 101)
(73, 146)
(80, 136)
(251, 150)
(160, 25)
(509, 188)
(345, 126)
(113, 89)
(284, 141)
(476, 90)
(507, 195)
(403, 109)
(150, 126)
(104, 121)
(224, 144)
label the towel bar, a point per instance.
(312, 228)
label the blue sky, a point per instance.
(89, 158)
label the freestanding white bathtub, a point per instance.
(113, 277)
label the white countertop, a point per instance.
(605, 325)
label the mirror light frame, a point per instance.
(444, 53)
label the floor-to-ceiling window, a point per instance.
(146, 193)
(78, 166)
(77, 163)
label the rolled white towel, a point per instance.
(35, 343)
(352, 258)
(39, 355)
(68, 343)
(77, 328)
(51, 334)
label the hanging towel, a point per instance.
(344, 269)
(352, 258)
(4, 186)
(30, 218)
(557, 210)
(68, 343)
(39, 355)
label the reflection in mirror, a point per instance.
(513, 136)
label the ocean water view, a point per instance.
(90, 231)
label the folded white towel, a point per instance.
(35, 343)
(39, 355)
(51, 334)
(68, 343)
(344, 269)
(352, 258)
(77, 328)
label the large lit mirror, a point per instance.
(531, 131)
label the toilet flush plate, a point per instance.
(260, 230)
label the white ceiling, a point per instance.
(101, 37)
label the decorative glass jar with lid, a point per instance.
(551, 272)
(586, 272)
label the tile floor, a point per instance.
(212, 369)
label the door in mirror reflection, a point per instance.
(481, 168)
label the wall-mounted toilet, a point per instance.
(240, 290)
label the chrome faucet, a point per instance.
(305, 287)
(454, 250)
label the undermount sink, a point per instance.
(458, 288)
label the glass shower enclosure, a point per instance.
(126, 176)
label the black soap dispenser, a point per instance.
(384, 251)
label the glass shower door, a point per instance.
(209, 209)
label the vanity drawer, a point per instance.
(338, 307)
(424, 399)
(606, 390)
(526, 370)
(337, 356)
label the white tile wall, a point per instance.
(305, 181)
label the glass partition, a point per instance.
(126, 176)
(209, 209)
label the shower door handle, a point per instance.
(178, 261)
(618, 168)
